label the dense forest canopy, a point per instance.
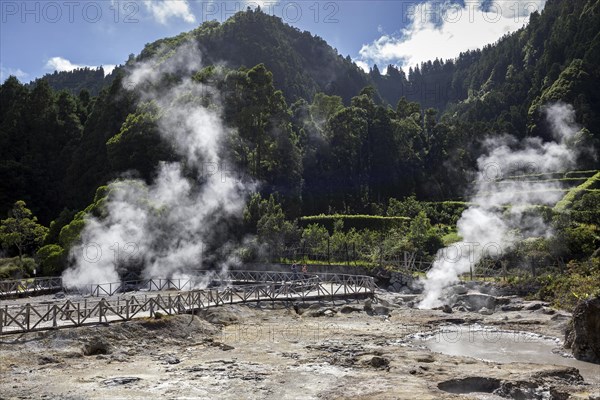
(320, 135)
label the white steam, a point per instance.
(162, 228)
(485, 227)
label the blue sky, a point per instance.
(37, 37)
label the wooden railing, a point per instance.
(261, 286)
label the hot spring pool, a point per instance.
(490, 344)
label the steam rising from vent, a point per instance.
(485, 227)
(163, 227)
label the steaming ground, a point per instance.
(486, 228)
(327, 351)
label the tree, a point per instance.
(21, 229)
(423, 236)
(273, 229)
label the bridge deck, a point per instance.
(18, 317)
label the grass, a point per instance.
(555, 175)
(573, 194)
(450, 238)
(10, 267)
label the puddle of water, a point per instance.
(499, 346)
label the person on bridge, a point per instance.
(294, 271)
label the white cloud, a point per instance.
(445, 29)
(62, 64)
(5, 72)
(108, 68)
(362, 65)
(163, 10)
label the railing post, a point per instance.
(27, 315)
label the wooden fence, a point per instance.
(277, 286)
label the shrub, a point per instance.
(52, 259)
(359, 222)
(580, 282)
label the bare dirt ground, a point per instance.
(319, 351)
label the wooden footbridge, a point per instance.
(123, 301)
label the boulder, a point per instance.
(447, 309)
(378, 362)
(381, 310)
(477, 301)
(459, 289)
(347, 309)
(96, 345)
(583, 333)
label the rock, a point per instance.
(378, 362)
(43, 360)
(512, 307)
(381, 310)
(447, 309)
(548, 311)
(462, 309)
(220, 316)
(485, 311)
(477, 301)
(459, 289)
(410, 304)
(425, 358)
(118, 357)
(385, 303)
(503, 300)
(349, 309)
(120, 380)
(534, 305)
(96, 345)
(368, 307)
(560, 317)
(315, 313)
(172, 360)
(583, 333)
(469, 385)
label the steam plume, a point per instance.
(163, 227)
(485, 228)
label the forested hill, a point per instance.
(520, 69)
(90, 79)
(325, 153)
(498, 83)
(302, 64)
